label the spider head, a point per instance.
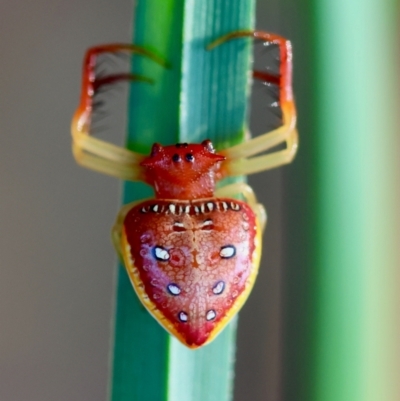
(182, 171)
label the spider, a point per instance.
(192, 252)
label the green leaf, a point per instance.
(202, 95)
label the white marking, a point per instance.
(211, 315)
(224, 206)
(174, 289)
(143, 210)
(155, 208)
(172, 208)
(208, 222)
(187, 209)
(179, 224)
(210, 206)
(203, 208)
(161, 253)
(219, 288)
(196, 209)
(235, 206)
(183, 317)
(227, 251)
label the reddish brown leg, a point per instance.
(285, 70)
(92, 152)
(266, 77)
(91, 84)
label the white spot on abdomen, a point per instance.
(174, 289)
(227, 251)
(183, 317)
(161, 253)
(218, 288)
(211, 315)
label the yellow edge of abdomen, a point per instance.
(255, 264)
(137, 283)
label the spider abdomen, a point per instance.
(192, 263)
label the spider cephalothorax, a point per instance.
(182, 171)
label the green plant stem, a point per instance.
(357, 321)
(203, 95)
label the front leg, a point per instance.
(239, 160)
(92, 152)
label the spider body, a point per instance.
(183, 171)
(192, 253)
(192, 258)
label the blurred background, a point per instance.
(324, 314)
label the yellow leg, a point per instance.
(105, 157)
(268, 161)
(268, 140)
(241, 188)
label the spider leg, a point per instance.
(243, 166)
(249, 196)
(92, 152)
(239, 157)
